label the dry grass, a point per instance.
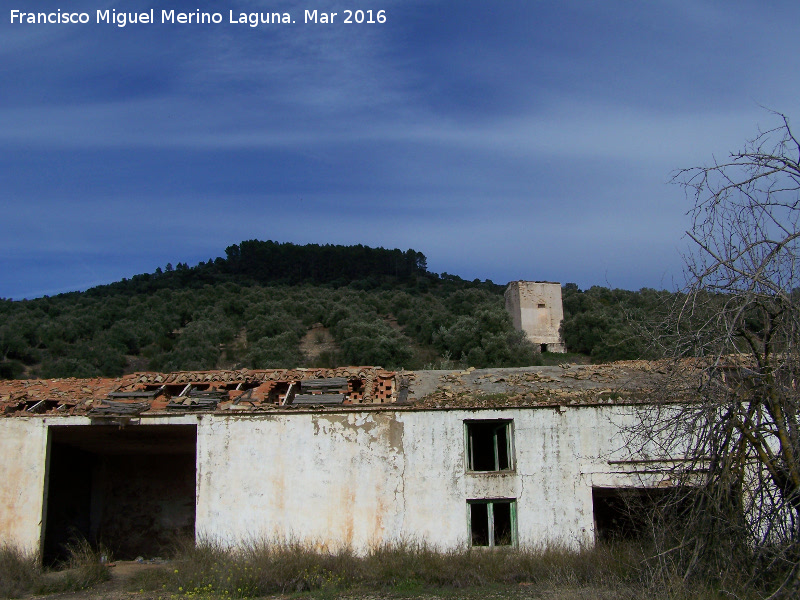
(19, 572)
(211, 571)
(262, 569)
(86, 567)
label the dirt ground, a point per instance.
(316, 341)
(116, 588)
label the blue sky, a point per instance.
(505, 140)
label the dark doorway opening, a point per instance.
(630, 513)
(131, 489)
(543, 348)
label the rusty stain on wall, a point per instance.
(359, 473)
(23, 446)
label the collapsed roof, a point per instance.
(318, 389)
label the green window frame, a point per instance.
(489, 445)
(492, 523)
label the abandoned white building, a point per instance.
(536, 309)
(356, 456)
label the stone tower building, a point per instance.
(536, 309)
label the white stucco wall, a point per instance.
(359, 478)
(23, 452)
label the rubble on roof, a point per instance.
(310, 389)
(192, 391)
(567, 384)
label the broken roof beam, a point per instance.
(37, 406)
(289, 395)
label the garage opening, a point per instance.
(131, 489)
(630, 513)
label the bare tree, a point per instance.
(738, 322)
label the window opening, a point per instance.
(543, 348)
(493, 522)
(479, 523)
(489, 445)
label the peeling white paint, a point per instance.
(23, 448)
(359, 478)
(338, 479)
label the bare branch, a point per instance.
(739, 317)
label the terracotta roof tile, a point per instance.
(254, 390)
(265, 388)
